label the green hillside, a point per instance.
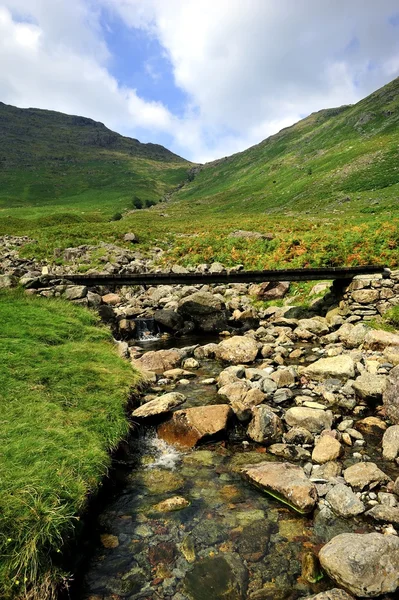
(48, 159)
(333, 159)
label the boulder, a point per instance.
(376, 339)
(339, 367)
(387, 514)
(344, 502)
(318, 326)
(158, 361)
(169, 319)
(220, 576)
(265, 427)
(243, 407)
(367, 296)
(200, 303)
(370, 387)
(354, 337)
(160, 405)
(111, 299)
(75, 292)
(238, 349)
(312, 419)
(367, 565)
(327, 448)
(391, 396)
(272, 290)
(334, 594)
(284, 481)
(130, 237)
(364, 474)
(230, 375)
(390, 443)
(193, 425)
(6, 281)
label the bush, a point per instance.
(137, 202)
(117, 217)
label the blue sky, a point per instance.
(205, 78)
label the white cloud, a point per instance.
(248, 68)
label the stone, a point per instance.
(376, 339)
(193, 425)
(390, 443)
(235, 392)
(200, 303)
(238, 349)
(391, 353)
(311, 571)
(169, 319)
(313, 419)
(387, 514)
(283, 378)
(318, 326)
(243, 407)
(334, 594)
(355, 337)
(370, 387)
(340, 367)
(161, 481)
(367, 565)
(220, 576)
(265, 427)
(367, 296)
(273, 290)
(344, 502)
(250, 235)
(390, 396)
(371, 426)
(187, 548)
(75, 292)
(175, 374)
(284, 481)
(230, 375)
(299, 435)
(130, 237)
(160, 405)
(364, 474)
(327, 448)
(109, 541)
(111, 299)
(172, 504)
(158, 361)
(6, 281)
(191, 363)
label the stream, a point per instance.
(232, 542)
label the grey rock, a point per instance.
(344, 502)
(364, 474)
(266, 427)
(391, 396)
(238, 350)
(160, 405)
(341, 367)
(388, 514)
(390, 443)
(75, 292)
(370, 387)
(313, 419)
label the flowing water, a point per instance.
(232, 542)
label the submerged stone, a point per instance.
(160, 481)
(217, 578)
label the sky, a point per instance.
(205, 78)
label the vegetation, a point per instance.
(63, 392)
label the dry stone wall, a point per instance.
(369, 296)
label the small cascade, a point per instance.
(165, 456)
(147, 330)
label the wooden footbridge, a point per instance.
(343, 274)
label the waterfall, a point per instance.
(147, 330)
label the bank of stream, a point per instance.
(230, 540)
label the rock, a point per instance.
(193, 425)
(313, 419)
(273, 290)
(250, 235)
(283, 378)
(289, 451)
(318, 326)
(169, 319)
(371, 426)
(365, 564)
(220, 576)
(266, 427)
(158, 361)
(390, 443)
(160, 405)
(175, 374)
(370, 387)
(235, 392)
(172, 504)
(191, 363)
(179, 270)
(188, 549)
(391, 354)
(130, 237)
(75, 292)
(355, 337)
(238, 349)
(298, 435)
(311, 571)
(284, 481)
(344, 502)
(6, 281)
(340, 367)
(364, 474)
(334, 594)
(391, 396)
(216, 267)
(243, 407)
(376, 339)
(367, 296)
(111, 299)
(230, 375)
(200, 303)
(206, 351)
(327, 448)
(109, 541)
(161, 481)
(388, 514)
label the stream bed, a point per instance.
(231, 542)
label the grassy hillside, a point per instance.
(62, 396)
(332, 160)
(51, 162)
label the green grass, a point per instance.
(63, 391)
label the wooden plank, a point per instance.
(329, 273)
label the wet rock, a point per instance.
(172, 504)
(388, 514)
(289, 451)
(327, 448)
(390, 443)
(238, 350)
(284, 481)
(340, 367)
(370, 387)
(254, 540)
(191, 363)
(187, 548)
(265, 427)
(161, 481)
(376, 339)
(163, 553)
(363, 474)
(109, 541)
(217, 577)
(175, 374)
(158, 361)
(391, 396)
(169, 319)
(344, 502)
(243, 407)
(193, 425)
(334, 594)
(311, 570)
(313, 419)
(160, 405)
(365, 564)
(206, 351)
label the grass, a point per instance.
(63, 393)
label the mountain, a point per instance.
(330, 160)
(47, 157)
